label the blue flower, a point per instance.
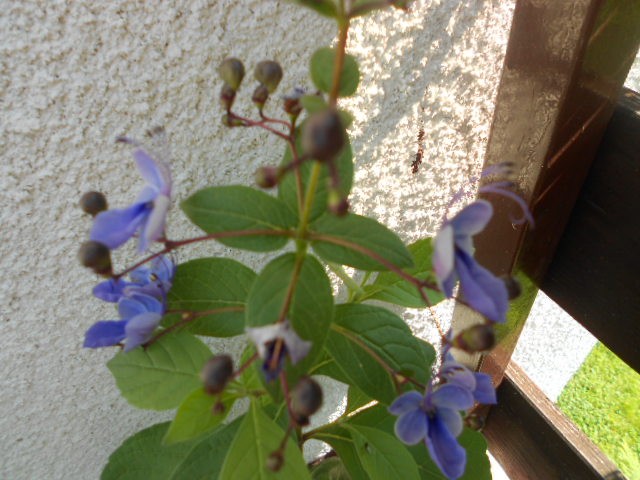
(153, 280)
(477, 383)
(139, 314)
(146, 217)
(435, 419)
(453, 260)
(274, 342)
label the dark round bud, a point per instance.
(474, 422)
(269, 73)
(96, 256)
(291, 102)
(514, 289)
(260, 96)
(267, 177)
(306, 399)
(231, 71)
(227, 96)
(275, 461)
(218, 408)
(216, 373)
(337, 203)
(475, 339)
(323, 135)
(229, 121)
(93, 203)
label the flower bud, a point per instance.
(338, 204)
(269, 73)
(475, 339)
(260, 96)
(231, 70)
(96, 256)
(323, 136)
(291, 102)
(514, 289)
(275, 461)
(306, 399)
(267, 177)
(227, 96)
(229, 121)
(216, 373)
(93, 203)
(474, 422)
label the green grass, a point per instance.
(603, 399)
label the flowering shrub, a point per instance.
(295, 328)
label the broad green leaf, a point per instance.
(162, 375)
(142, 456)
(314, 103)
(209, 284)
(311, 309)
(322, 67)
(382, 455)
(387, 336)
(287, 188)
(391, 288)
(204, 462)
(341, 240)
(257, 437)
(330, 468)
(327, 366)
(326, 8)
(237, 208)
(340, 440)
(356, 398)
(195, 416)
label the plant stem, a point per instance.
(337, 68)
(351, 284)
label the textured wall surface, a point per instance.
(75, 74)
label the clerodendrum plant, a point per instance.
(402, 419)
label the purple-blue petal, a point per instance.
(405, 403)
(105, 334)
(411, 426)
(484, 292)
(451, 396)
(485, 392)
(129, 307)
(445, 450)
(443, 258)
(114, 227)
(149, 169)
(457, 373)
(110, 290)
(451, 419)
(139, 329)
(472, 219)
(153, 228)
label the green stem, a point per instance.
(351, 284)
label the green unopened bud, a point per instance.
(323, 135)
(216, 373)
(227, 96)
(268, 177)
(275, 461)
(260, 96)
(231, 71)
(269, 73)
(230, 121)
(475, 339)
(93, 203)
(306, 399)
(337, 203)
(514, 289)
(96, 256)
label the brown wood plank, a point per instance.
(533, 440)
(594, 274)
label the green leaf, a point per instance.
(340, 440)
(161, 376)
(287, 188)
(257, 437)
(322, 66)
(311, 309)
(387, 336)
(238, 208)
(142, 456)
(331, 468)
(382, 456)
(356, 398)
(212, 283)
(323, 7)
(195, 416)
(339, 240)
(205, 460)
(314, 103)
(391, 288)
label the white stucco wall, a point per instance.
(75, 74)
